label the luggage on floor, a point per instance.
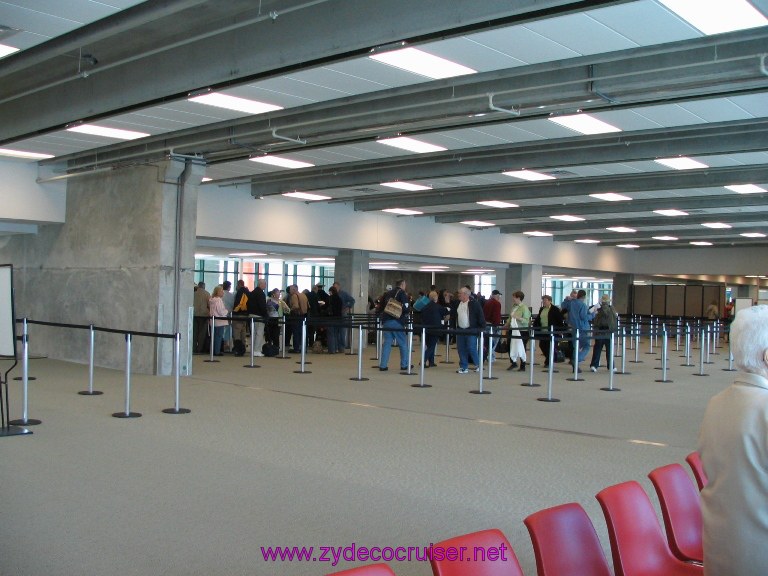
(238, 348)
(270, 350)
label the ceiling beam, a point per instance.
(151, 63)
(714, 138)
(566, 188)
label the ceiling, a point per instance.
(667, 88)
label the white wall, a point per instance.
(22, 199)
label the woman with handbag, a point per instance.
(393, 318)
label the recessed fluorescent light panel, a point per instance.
(611, 197)
(7, 50)
(402, 211)
(568, 218)
(384, 263)
(247, 254)
(670, 238)
(584, 123)
(281, 162)
(716, 17)
(528, 175)
(206, 179)
(478, 223)
(752, 235)
(411, 144)
(234, 103)
(627, 246)
(746, 189)
(203, 256)
(424, 63)
(479, 271)
(681, 163)
(671, 212)
(411, 187)
(537, 233)
(621, 229)
(115, 133)
(24, 154)
(700, 243)
(716, 225)
(306, 196)
(497, 204)
(320, 259)
(587, 241)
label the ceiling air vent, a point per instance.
(362, 190)
(559, 173)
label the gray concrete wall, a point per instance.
(110, 264)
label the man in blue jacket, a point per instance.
(470, 321)
(394, 328)
(579, 318)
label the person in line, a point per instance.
(492, 313)
(240, 317)
(333, 329)
(432, 317)
(219, 315)
(394, 328)
(566, 305)
(579, 318)
(521, 314)
(348, 304)
(200, 324)
(606, 322)
(257, 306)
(229, 303)
(549, 319)
(299, 305)
(470, 321)
(733, 444)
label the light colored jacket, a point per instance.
(217, 308)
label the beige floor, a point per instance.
(269, 457)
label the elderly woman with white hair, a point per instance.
(733, 444)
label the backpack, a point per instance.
(606, 318)
(270, 350)
(420, 303)
(242, 306)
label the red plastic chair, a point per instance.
(371, 570)
(637, 544)
(565, 543)
(681, 509)
(475, 546)
(694, 461)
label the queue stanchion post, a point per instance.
(25, 420)
(490, 357)
(636, 340)
(730, 359)
(303, 360)
(677, 336)
(409, 347)
(687, 345)
(715, 337)
(91, 360)
(176, 379)
(664, 344)
(447, 347)
(532, 342)
(624, 351)
(708, 339)
(480, 389)
(348, 328)
(650, 336)
(548, 397)
(701, 354)
(611, 363)
(253, 352)
(377, 327)
(26, 341)
(283, 328)
(213, 329)
(359, 377)
(423, 361)
(127, 413)
(575, 359)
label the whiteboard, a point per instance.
(7, 316)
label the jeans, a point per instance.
(394, 331)
(597, 350)
(429, 352)
(296, 322)
(333, 336)
(218, 337)
(466, 344)
(583, 345)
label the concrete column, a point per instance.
(622, 287)
(352, 273)
(525, 277)
(119, 261)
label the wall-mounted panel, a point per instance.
(659, 304)
(675, 300)
(694, 300)
(642, 300)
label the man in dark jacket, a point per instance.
(394, 328)
(470, 321)
(550, 319)
(257, 306)
(432, 315)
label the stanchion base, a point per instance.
(490, 378)
(249, 366)
(663, 380)
(13, 431)
(177, 411)
(611, 389)
(350, 353)
(129, 415)
(404, 373)
(446, 362)
(653, 353)
(730, 370)
(27, 422)
(19, 378)
(622, 373)
(421, 385)
(479, 392)
(554, 371)
(548, 399)
(90, 393)
(697, 374)
(210, 360)
(282, 357)
(574, 379)
(635, 361)
(302, 372)
(359, 379)
(527, 385)
(708, 362)
(305, 362)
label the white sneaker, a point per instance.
(462, 371)
(258, 354)
(593, 369)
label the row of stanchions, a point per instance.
(706, 336)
